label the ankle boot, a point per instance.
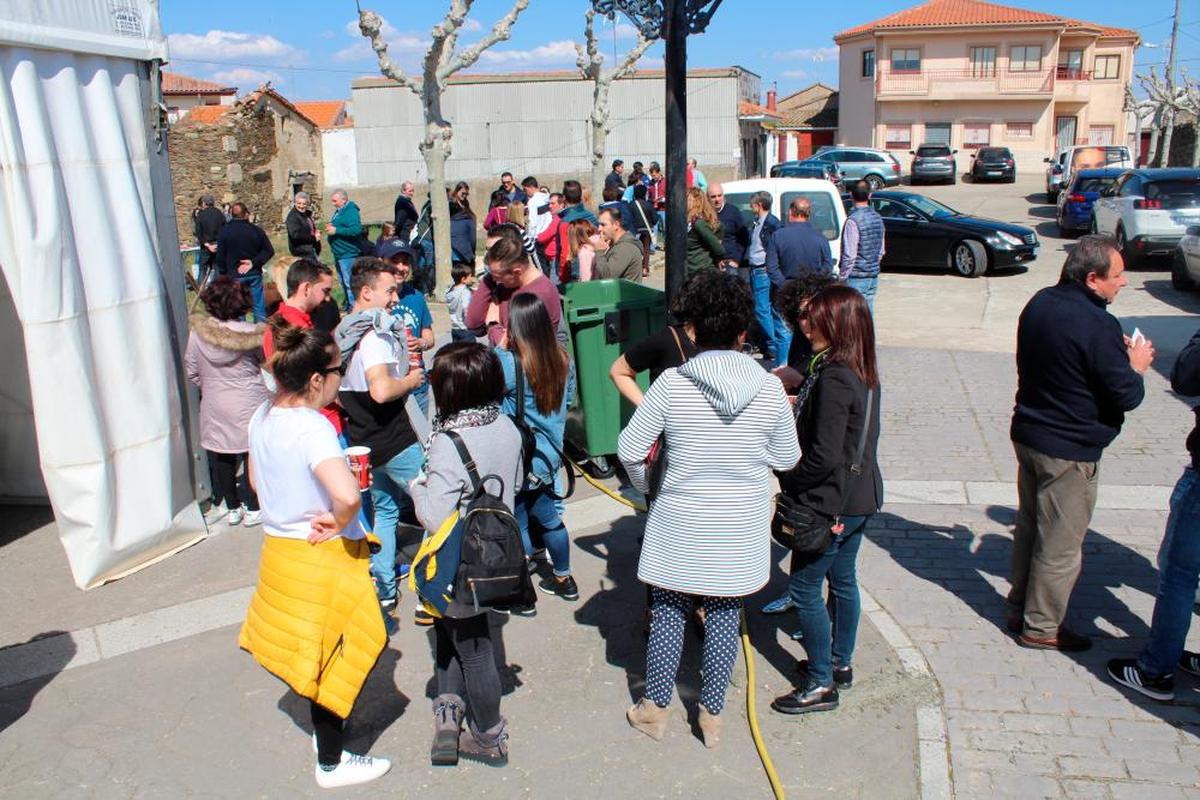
(447, 722)
(649, 718)
(710, 727)
(487, 747)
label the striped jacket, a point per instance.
(727, 424)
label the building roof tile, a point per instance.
(205, 115)
(324, 113)
(955, 13)
(174, 83)
(748, 109)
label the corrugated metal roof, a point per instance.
(560, 75)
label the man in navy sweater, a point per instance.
(1077, 377)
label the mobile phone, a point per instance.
(1136, 338)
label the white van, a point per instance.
(828, 213)
(1068, 160)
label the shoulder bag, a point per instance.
(656, 459)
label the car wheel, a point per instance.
(1012, 178)
(953, 178)
(874, 182)
(1130, 257)
(1179, 274)
(968, 258)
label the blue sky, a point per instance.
(311, 49)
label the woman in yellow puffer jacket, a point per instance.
(314, 621)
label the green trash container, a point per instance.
(605, 318)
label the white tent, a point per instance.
(92, 317)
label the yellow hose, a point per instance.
(751, 707)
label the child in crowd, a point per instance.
(458, 297)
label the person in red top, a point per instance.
(309, 284)
(510, 272)
(553, 240)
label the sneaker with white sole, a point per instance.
(1126, 672)
(215, 513)
(252, 518)
(353, 770)
(1190, 662)
(236, 516)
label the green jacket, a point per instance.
(347, 236)
(704, 248)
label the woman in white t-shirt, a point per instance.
(313, 621)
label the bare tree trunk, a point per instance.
(436, 149)
(1196, 143)
(1155, 130)
(1164, 158)
(599, 144)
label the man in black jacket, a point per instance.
(1153, 672)
(1077, 377)
(304, 240)
(734, 233)
(208, 223)
(405, 212)
(242, 251)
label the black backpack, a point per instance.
(492, 570)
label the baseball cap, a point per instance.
(392, 248)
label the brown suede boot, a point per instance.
(710, 727)
(487, 747)
(649, 718)
(447, 722)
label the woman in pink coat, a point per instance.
(223, 358)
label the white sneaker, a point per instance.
(215, 513)
(237, 515)
(353, 770)
(252, 518)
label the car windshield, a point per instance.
(929, 207)
(994, 153)
(932, 152)
(1178, 193)
(824, 216)
(1092, 184)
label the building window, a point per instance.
(937, 133)
(977, 134)
(868, 64)
(1025, 58)
(1070, 65)
(899, 137)
(1100, 135)
(983, 62)
(1018, 130)
(906, 59)
(1108, 68)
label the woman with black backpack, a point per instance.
(468, 387)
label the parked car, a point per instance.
(1148, 210)
(825, 170)
(828, 213)
(993, 163)
(921, 232)
(1185, 269)
(1082, 156)
(933, 162)
(878, 168)
(1074, 213)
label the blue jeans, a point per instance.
(866, 287)
(539, 507)
(253, 281)
(760, 285)
(343, 268)
(389, 494)
(1178, 574)
(828, 643)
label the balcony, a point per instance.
(1072, 85)
(962, 84)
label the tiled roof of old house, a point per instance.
(324, 113)
(967, 13)
(174, 83)
(748, 109)
(204, 115)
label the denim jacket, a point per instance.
(547, 428)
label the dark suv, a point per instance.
(993, 164)
(933, 162)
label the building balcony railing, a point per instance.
(1072, 74)
(950, 84)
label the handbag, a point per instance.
(806, 531)
(656, 459)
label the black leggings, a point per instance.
(466, 666)
(328, 728)
(224, 473)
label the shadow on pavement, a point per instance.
(16, 521)
(1037, 199)
(57, 651)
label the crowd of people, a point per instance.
(283, 401)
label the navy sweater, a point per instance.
(1074, 381)
(1185, 380)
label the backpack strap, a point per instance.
(467, 460)
(679, 344)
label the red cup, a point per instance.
(359, 459)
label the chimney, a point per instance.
(770, 99)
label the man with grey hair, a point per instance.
(304, 240)
(1077, 377)
(345, 232)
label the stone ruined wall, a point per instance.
(231, 160)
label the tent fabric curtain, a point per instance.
(88, 249)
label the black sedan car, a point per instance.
(808, 169)
(921, 232)
(993, 164)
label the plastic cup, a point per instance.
(359, 459)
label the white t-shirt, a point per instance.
(375, 349)
(286, 445)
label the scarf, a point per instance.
(475, 417)
(354, 327)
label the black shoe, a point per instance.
(1126, 672)
(1190, 662)
(1066, 642)
(563, 587)
(809, 697)
(843, 677)
(422, 617)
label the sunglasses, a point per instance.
(340, 369)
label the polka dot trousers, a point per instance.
(669, 616)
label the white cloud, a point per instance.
(400, 43)
(231, 45)
(814, 54)
(472, 25)
(552, 54)
(794, 74)
(626, 31)
(245, 78)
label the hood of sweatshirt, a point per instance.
(226, 342)
(729, 380)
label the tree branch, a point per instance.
(370, 25)
(458, 11)
(500, 32)
(588, 57)
(629, 62)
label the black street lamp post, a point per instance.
(672, 21)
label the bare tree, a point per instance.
(1139, 109)
(1191, 104)
(591, 65)
(441, 61)
(1166, 100)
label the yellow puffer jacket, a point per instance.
(314, 620)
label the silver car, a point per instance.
(1185, 269)
(878, 168)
